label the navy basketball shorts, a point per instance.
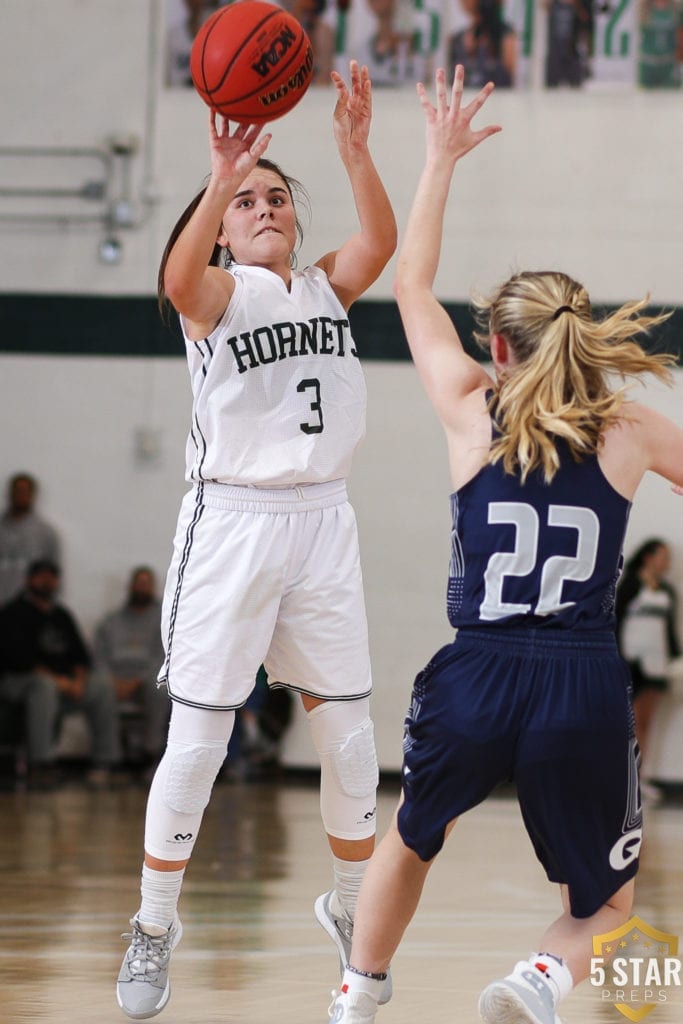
(550, 712)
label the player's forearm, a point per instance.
(418, 257)
(191, 254)
(373, 207)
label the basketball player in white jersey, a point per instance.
(266, 566)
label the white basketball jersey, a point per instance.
(279, 392)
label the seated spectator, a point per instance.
(45, 666)
(180, 38)
(387, 50)
(319, 19)
(129, 653)
(570, 40)
(487, 48)
(24, 536)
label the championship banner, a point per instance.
(615, 43)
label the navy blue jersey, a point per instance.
(537, 554)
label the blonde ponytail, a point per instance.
(560, 385)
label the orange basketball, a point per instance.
(251, 61)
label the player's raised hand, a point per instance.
(449, 125)
(235, 153)
(353, 110)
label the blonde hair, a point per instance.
(559, 386)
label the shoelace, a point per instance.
(147, 955)
(344, 927)
(334, 1012)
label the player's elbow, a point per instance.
(382, 247)
(404, 283)
(391, 239)
(175, 288)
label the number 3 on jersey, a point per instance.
(314, 384)
(522, 560)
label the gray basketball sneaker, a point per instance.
(340, 929)
(523, 997)
(346, 1008)
(143, 988)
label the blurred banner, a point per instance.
(571, 44)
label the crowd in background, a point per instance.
(49, 670)
(647, 633)
(583, 42)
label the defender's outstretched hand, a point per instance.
(449, 131)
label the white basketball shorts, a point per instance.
(266, 577)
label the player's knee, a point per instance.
(190, 774)
(41, 687)
(100, 693)
(622, 900)
(344, 737)
(353, 764)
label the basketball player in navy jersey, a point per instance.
(545, 459)
(265, 567)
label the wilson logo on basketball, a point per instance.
(295, 81)
(272, 57)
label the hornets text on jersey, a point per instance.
(278, 390)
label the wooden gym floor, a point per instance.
(252, 950)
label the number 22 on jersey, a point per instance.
(523, 559)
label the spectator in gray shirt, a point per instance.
(24, 536)
(128, 649)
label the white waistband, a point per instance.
(301, 498)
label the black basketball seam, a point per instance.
(216, 18)
(245, 41)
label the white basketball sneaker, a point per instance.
(143, 987)
(352, 1008)
(523, 997)
(340, 929)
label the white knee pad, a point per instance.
(190, 775)
(182, 786)
(343, 735)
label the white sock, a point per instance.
(160, 894)
(348, 874)
(554, 970)
(357, 981)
